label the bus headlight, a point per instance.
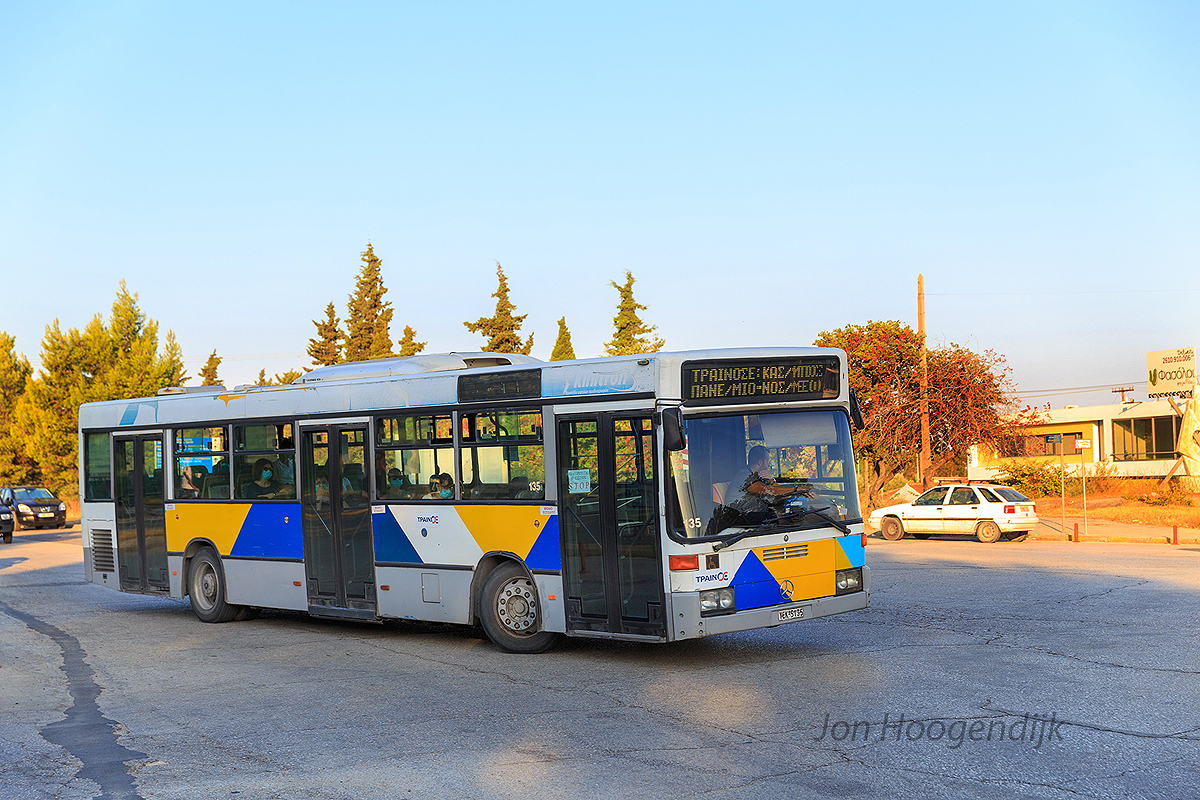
(717, 601)
(849, 580)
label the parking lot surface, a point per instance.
(1034, 669)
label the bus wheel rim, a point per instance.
(516, 606)
(208, 587)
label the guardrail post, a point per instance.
(1174, 534)
(1076, 537)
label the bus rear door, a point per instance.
(141, 516)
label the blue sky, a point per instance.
(766, 171)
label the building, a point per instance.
(1134, 439)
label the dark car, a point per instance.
(6, 524)
(33, 507)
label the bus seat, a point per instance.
(216, 487)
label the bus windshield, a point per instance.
(762, 471)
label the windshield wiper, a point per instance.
(798, 515)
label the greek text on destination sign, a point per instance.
(768, 379)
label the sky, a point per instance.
(766, 171)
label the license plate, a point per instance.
(46, 514)
(790, 614)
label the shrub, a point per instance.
(1036, 479)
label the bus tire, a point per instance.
(988, 532)
(891, 529)
(246, 612)
(206, 588)
(510, 614)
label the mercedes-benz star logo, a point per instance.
(786, 589)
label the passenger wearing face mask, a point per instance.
(444, 488)
(264, 486)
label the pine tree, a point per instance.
(15, 465)
(104, 362)
(408, 346)
(563, 350)
(326, 349)
(368, 315)
(631, 335)
(503, 329)
(287, 377)
(261, 380)
(208, 372)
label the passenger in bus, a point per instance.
(397, 488)
(264, 486)
(191, 481)
(442, 489)
(321, 491)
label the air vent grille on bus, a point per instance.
(784, 551)
(102, 551)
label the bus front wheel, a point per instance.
(510, 614)
(206, 588)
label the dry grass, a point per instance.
(1183, 516)
(1127, 506)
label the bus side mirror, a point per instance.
(672, 422)
(856, 412)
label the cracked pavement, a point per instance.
(961, 639)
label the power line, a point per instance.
(1075, 389)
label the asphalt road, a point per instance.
(1086, 654)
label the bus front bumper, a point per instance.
(688, 624)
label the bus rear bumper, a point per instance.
(690, 625)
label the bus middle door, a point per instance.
(339, 549)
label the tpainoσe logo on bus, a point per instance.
(713, 580)
(427, 519)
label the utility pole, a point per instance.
(923, 465)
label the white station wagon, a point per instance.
(986, 511)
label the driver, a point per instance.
(754, 483)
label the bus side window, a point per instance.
(97, 465)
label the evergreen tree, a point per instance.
(631, 335)
(261, 380)
(15, 465)
(208, 373)
(326, 349)
(563, 350)
(287, 377)
(503, 329)
(104, 362)
(408, 345)
(368, 315)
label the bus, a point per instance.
(655, 497)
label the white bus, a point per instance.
(615, 498)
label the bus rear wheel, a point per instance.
(510, 614)
(206, 588)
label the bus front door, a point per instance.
(141, 517)
(608, 519)
(339, 552)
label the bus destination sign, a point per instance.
(760, 380)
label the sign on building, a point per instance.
(1171, 373)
